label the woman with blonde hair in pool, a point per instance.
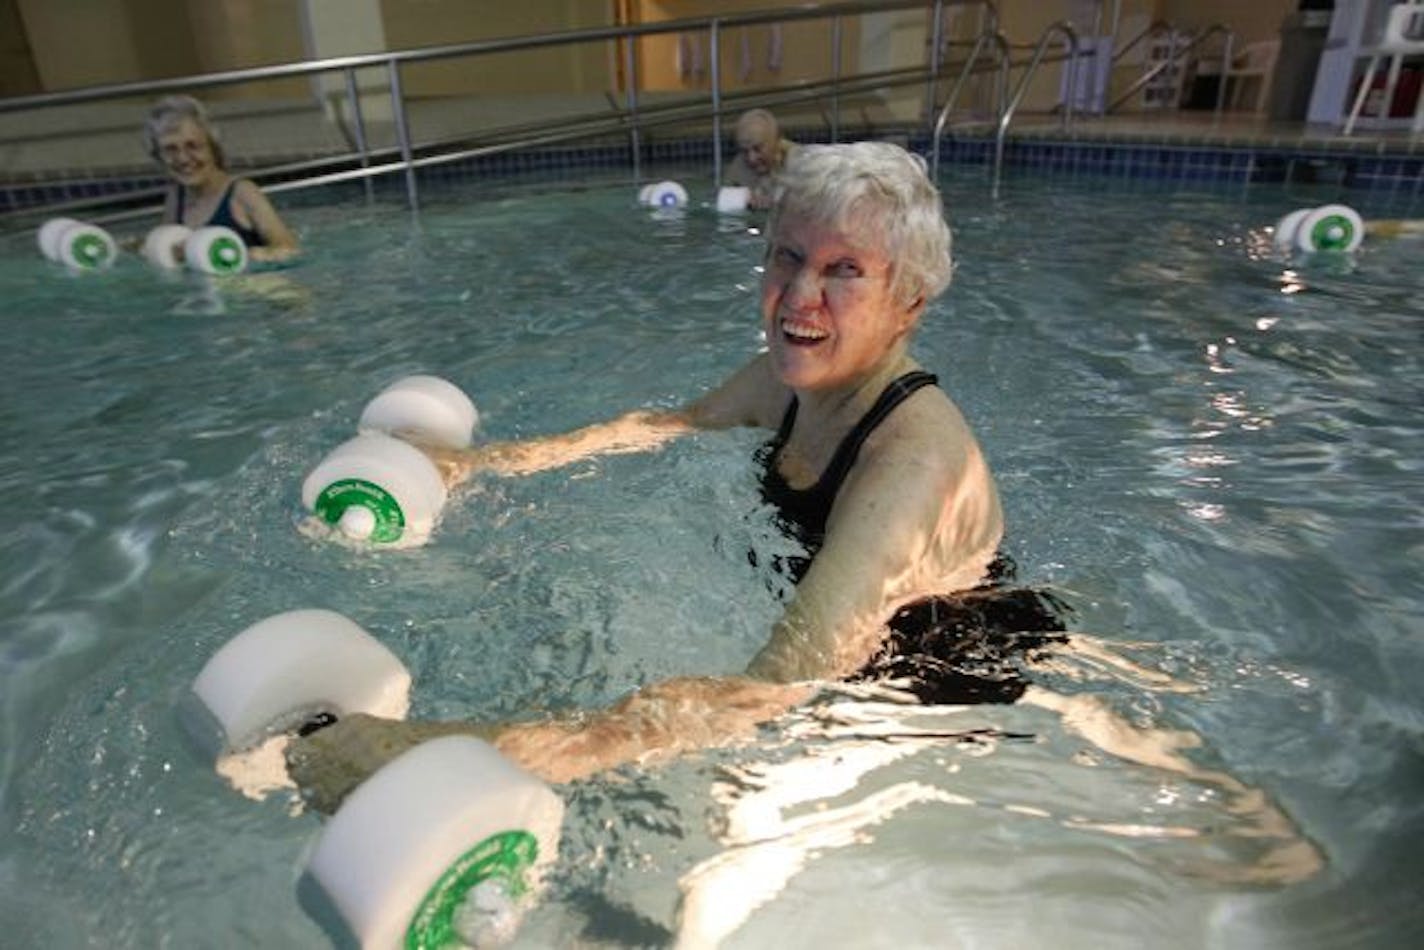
(179, 136)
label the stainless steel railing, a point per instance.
(630, 119)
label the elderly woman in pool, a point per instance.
(179, 137)
(872, 467)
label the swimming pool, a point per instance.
(1213, 456)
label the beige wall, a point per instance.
(566, 69)
(1250, 21)
(805, 47)
(18, 76)
(91, 42)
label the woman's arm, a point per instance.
(281, 242)
(748, 397)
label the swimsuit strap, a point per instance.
(847, 452)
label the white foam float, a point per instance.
(163, 246)
(667, 194)
(1287, 227)
(215, 250)
(733, 199)
(444, 845)
(428, 408)
(1333, 227)
(48, 236)
(78, 245)
(377, 488)
(292, 667)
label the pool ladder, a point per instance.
(1006, 104)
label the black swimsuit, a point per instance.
(222, 216)
(956, 648)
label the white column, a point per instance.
(347, 28)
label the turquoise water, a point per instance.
(1212, 455)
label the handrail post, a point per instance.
(938, 132)
(715, 55)
(1226, 56)
(1071, 38)
(1008, 113)
(935, 40)
(835, 78)
(358, 126)
(630, 75)
(403, 133)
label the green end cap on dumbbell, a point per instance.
(505, 857)
(335, 498)
(90, 250)
(1333, 233)
(225, 255)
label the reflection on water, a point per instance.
(1211, 453)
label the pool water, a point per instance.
(1211, 454)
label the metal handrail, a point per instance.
(392, 61)
(1007, 116)
(1002, 45)
(1178, 54)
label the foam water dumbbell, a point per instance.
(446, 841)
(78, 245)
(1333, 227)
(733, 199)
(382, 489)
(163, 247)
(442, 846)
(297, 667)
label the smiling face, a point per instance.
(756, 141)
(187, 153)
(830, 317)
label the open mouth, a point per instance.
(802, 333)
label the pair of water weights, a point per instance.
(445, 843)
(83, 246)
(379, 488)
(1333, 227)
(731, 199)
(210, 250)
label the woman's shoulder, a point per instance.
(927, 427)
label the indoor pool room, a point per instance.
(1183, 326)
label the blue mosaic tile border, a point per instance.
(1238, 164)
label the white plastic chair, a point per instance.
(1254, 61)
(1403, 36)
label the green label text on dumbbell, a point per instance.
(335, 498)
(224, 254)
(505, 858)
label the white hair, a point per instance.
(165, 116)
(877, 189)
